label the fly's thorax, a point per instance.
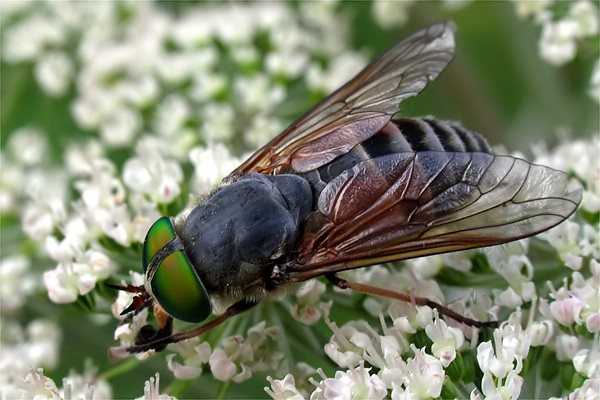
(235, 237)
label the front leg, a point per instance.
(159, 343)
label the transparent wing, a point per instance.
(358, 109)
(412, 204)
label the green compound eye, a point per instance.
(160, 233)
(175, 284)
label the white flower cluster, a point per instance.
(561, 36)
(38, 386)
(39, 346)
(236, 358)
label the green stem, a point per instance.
(119, 369)
(223, 390)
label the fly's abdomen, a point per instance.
(407, 135)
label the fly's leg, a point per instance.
(159, 341)
(148, 334)
(419, 301)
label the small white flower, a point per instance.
(221, 366)
(286, 63)
(446, 340)
(566, 347)
(54, 72)
(391, 14)
(120, 127)
(342, 347)
(16, 282)
(539, 9)
(356, 383)
(153, 175)
(540, 333)
(172, 113)
(585, 14)
(139, 91)
(587, 362)
(284, 389)
(511, 388)
(25, 40)
(208, 85)
(152, 390)
(38, 386)
(262, 128)
(211, 164)
(194, 357)
(424, 375)
(307, 307)
(566, 311)
(217, 122)
(28, 145)
(86, 386)
(257, 93)
(557, 44)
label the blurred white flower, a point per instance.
(540, 333)
(207, 86)
(86, 386)
(587, 362)
(286, 63)
(154, 176)
(38, 346)
(28, 39)
(538, 9)
(585, 15)
(28, 145)
(54, 72)
(566, 311)
(211, 164)
(152, 390)
(557, 43)
(45, 208)
(308, 307)
(257, 93)
(16, 282)
(566, 347)
(218, 121)
(172, 113)
(391, 14)
(590, 389)
(34, 385)
(120, 127)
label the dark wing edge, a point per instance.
(429, 203)
(358, 109)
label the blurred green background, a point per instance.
(497, 85)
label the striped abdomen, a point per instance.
(400, 136)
